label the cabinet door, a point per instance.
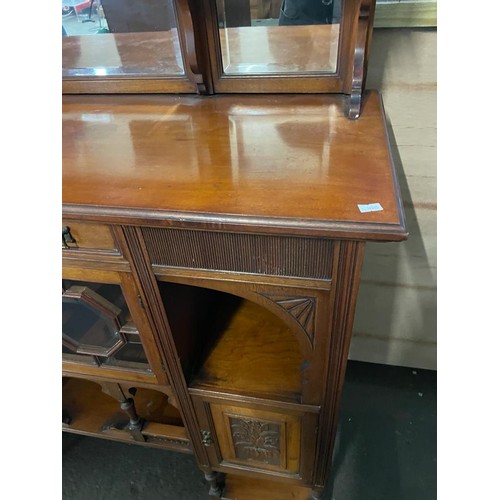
(259, 438)
(105, 330)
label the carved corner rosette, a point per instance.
(301, 309)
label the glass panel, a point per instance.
(279, 36)
(132, 354)
(86, 325)
(112, 293)
(120, 37)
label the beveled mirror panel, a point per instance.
(265, 37)
(120, 38)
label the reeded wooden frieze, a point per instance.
(239, 252)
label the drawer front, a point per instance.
(259, 438)
(88, 237)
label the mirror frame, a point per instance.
(191, 82)
(356, 21)
(202, 56)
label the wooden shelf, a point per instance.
(90, 409)
(257, 354)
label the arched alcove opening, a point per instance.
(232, 344)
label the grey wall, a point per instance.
(396, 315)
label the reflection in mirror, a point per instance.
(279, 36)
(120, 37)
(310, 141)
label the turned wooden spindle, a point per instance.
(213, 481)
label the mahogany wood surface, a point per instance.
(270, 161)
(156, 314)
(244, 488)
(260, 439)
(283, 59)
(91, 236)
(90, 407)
(294, 319)
(78, 369)
(296, 426)
(256, 353)
(321, 82)
(232, 224)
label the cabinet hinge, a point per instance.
(206, 438)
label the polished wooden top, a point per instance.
(280, 163)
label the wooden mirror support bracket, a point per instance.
(360, 60)
(189, 40)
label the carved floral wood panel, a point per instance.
(256, 440)
(260, 439)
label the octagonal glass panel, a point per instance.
(98, 328)
(90, 322)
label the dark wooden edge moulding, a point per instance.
(249, 224)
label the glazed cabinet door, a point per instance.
(105, 331)
(258, 438)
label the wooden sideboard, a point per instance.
(212, 252)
